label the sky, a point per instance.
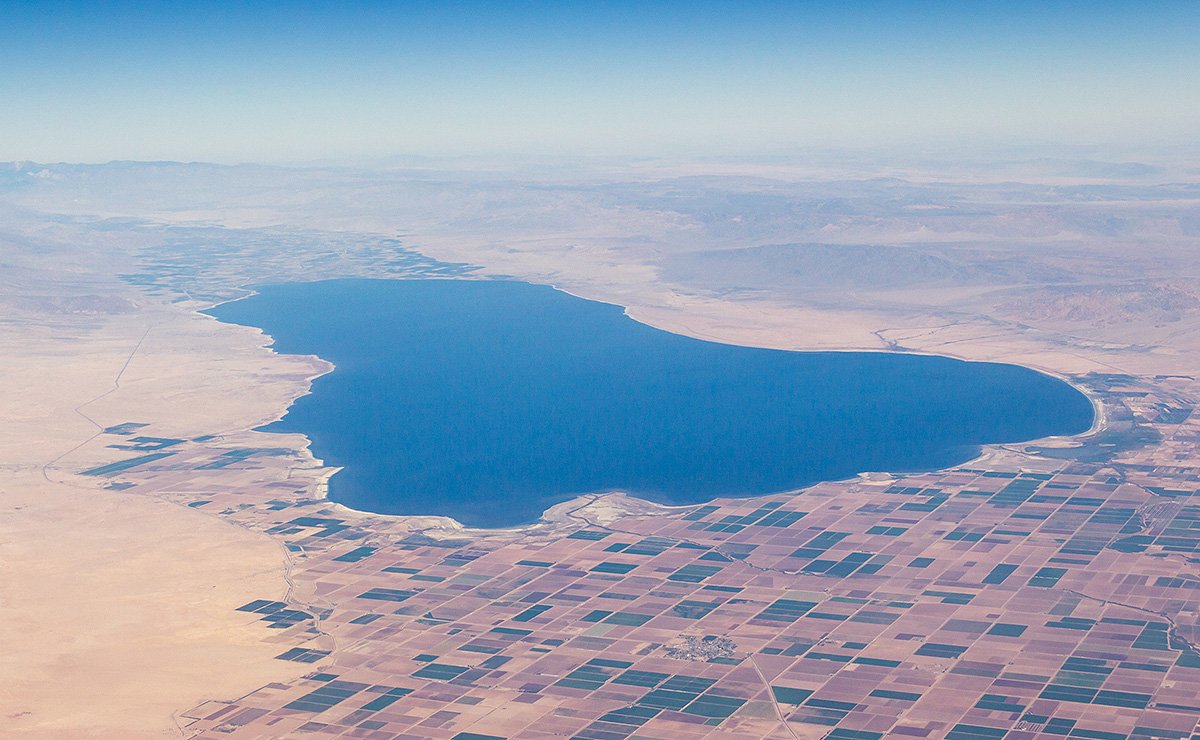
(302, 81)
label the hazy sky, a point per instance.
(251, 81)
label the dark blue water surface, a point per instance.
(489, 401)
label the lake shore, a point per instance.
(796, 427)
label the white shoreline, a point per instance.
(550, 518)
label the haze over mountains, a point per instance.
(1102, 250)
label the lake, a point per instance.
(489, 401)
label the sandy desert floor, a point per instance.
(212, 591)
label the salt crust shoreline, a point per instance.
(616, 503)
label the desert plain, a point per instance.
(167, 571)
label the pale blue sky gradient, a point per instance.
(283, 82)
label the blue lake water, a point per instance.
(489, 401)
